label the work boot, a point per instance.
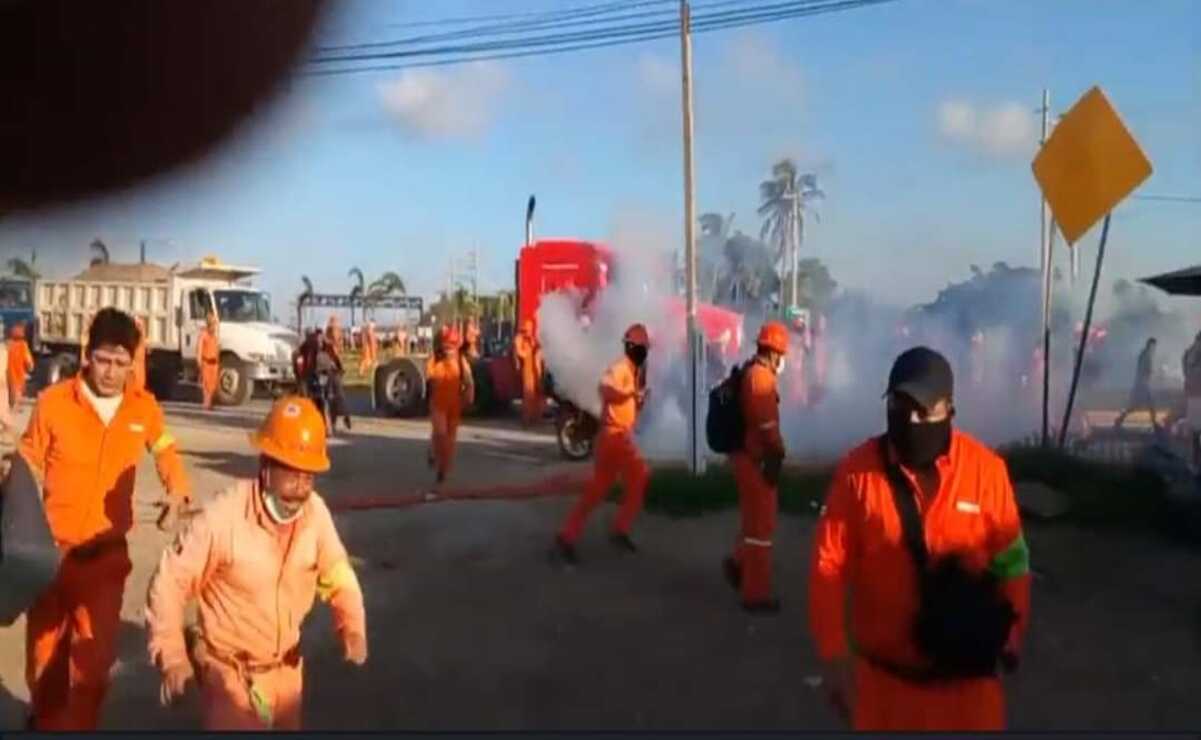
(347, 420)
(762, 608)
(623, 541)
(566, 551)
(733, 573)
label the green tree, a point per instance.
(22, 269)
(783, 202)
(357, 290)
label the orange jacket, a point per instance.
(761, 411)
(20, 359)
(254, 580)
(88, 470)
(859, 546)
(619, 394)
(446, 378)
(137, 370)
(208, 348)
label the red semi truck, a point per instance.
(543, 267)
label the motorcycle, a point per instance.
(575, 431)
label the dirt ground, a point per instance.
(471, 626)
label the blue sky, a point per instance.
(918, 116)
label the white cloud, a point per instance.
(456, 103)
(1003, 130)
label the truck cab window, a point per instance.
(200, 304)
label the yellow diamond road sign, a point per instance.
(1088, 165)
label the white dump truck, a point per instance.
(173, 305)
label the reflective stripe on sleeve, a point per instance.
(334, 579)
(163, 442)
(757, 542)
(769, 425)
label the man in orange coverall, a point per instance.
(757, 472)
(20, 364)
(623, 394)
(137, 370)
(254, 559)
(877, 674)
(527, 354)
(449, 388)
(208, 354)
(84, 440)
(471, 343)
(370, 354)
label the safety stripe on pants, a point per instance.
(756, 542)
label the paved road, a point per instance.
(472, 626)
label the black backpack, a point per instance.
(725, 429)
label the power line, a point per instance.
(538, 46)
(1169, 198)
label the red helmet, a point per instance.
(774, 336)
(637, 335)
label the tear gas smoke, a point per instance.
(988, 326)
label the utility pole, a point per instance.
(796, 246)
(1045, 261)
(695, 346)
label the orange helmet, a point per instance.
(638, 335)
(293, 434)
(449, 337)
(774, 336)
(527, 326)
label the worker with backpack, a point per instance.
(744, 423)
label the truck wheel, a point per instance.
(234, 386)
(574, 435)
(399, 388)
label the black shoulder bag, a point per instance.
(963, 620)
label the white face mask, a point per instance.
(278, 510)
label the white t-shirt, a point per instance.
(106, 408)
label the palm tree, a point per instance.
(360, 287)
(784, 200)
(99, 252)
(387, 284)
(715, 232)
(506, 304)
(22, 269)
(462, 303)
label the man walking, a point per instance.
(757, 471)
(449, 389)
(921, 530)
(84, 440)
(1140, 394)
(623, 394)
(254, 560)
(527, 354)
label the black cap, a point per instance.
(922, 374)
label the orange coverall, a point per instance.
(254, 582)
(445, 377)
(616, 454)
(757, 499)
(88, 473)
(529, 359)
(859, 547)
(472, 340)
(137, 371)
(20, 364)
(208, 353)
(370, 351)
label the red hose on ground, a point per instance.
(563, 484)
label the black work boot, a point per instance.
(762, 608)
(566, 551)
(347, 420)
(623, 541)
(732, 572)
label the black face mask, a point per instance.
(636, 353)
(918, 445)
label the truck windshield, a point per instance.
(14, 295)
(241, 306)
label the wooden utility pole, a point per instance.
(695, 346)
